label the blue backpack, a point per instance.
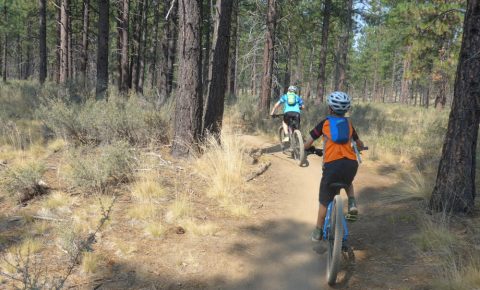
(339, 129)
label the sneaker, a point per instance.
(286, 139)
(352, 207)
(316, 235)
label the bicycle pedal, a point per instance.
(351, 217)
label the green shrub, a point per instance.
(24, 181)
(93, 122)
(101, 167)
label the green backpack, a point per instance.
(291, 99)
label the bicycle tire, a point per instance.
(334, 239)
(281, 135)
(299, 151)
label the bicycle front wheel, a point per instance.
(298, 150)
(334, 239)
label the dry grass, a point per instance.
(180, 208)
(224, 167)
(91, 262)
(143, 211)
(155, 229)
(147, 189)
(199, 228)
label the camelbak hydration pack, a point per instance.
(339, 129)
(291, 99)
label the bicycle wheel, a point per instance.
(281, 135)
(334, 239)
(298, 150)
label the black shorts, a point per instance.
(342, 171)
(292, 119)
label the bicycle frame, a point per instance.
(326, 225)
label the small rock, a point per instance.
(179, 230)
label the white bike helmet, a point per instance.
(339, 102)
(292, 89)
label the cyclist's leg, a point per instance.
(349, 170)
(325, 197)
(285, 124)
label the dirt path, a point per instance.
(278, 253)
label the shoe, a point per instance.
(286, 139)
(316, 235)
(352, 207)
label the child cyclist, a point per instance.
(340, 160)
(293, 104)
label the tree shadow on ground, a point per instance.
(278, 254)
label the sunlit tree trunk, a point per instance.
(189, 104)
(214, 105)
(327, 8)
(42, 11)
(454, 189)
(86, 23)
(268, 55)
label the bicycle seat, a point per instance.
(336, 186)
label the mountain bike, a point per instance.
(295, 140)
(335, 230)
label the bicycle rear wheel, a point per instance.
(298, 150)
(334, 239)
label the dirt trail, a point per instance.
(281, 255)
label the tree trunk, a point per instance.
(232, 76)
(207, 44)
(327, 8)
(140, 76)
(454, 190)
(268, 55)
(168, 45)
(42, 12)
(102, 50)
(5, 44)
(288, 66)
(344, 46)
(215, 101)
(122, 27)
(188, 109)
(154, 48)
(28, 61)
(134, 55)
(63, 53)
(405, 79)
(84, 57)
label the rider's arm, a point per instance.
(301, 103)
(275, 108)
(308, 143)
(357, 139)
(314, 135)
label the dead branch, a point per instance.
(260, 170)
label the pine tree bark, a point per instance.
(84, 57)
(214, 104)
(122, 28)
(134, 55)
(327, 8)
(268, 55)
(405, 86)
(154, 47)
(141, 48)
(169, 44)
(344, 46)
(29, 49)
(63, 49)
(208, 19)
(102, 49)
(42, 13)
(454, 189)
(189, 103)
(232, 76)
(5, 44)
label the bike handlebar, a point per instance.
(319, 152)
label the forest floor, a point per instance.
(270, 248)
